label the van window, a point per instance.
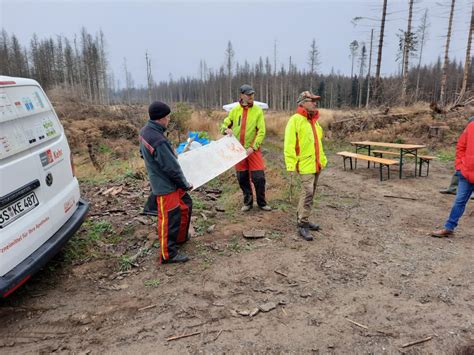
(26, 119)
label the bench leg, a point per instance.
(377, 155)
(350, 160)
(381, 166)
(344, 161)
(427, 162)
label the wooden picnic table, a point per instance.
(405, 149)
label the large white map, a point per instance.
(205, 163)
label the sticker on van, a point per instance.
(49, 157)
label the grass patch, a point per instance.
(113, 170)
(152, 283)
(94, 240)
(104, 149)
(125, 263)
(198, 203)
(334, 146)
(235, 246)
(84, 244)
(447, 154)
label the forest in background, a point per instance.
(79, 67)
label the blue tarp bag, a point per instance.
(192, 135)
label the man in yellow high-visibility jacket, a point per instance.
(304, 154)
(245, 121)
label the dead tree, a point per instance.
(353, 47)
(444, 78)
(467, 61)
(229, 56)
(149, 77)
(362, 59)
(406, 54)
(423, 37)
(379, 54)
(313, 62)
(370, 65)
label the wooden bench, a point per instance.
(381, 161)
(423, 159)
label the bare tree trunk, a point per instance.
(423, 28)
(379, 54)
(229, 63)
(406, 54)
(444, 78)
(370, 65)
(467, 62)
(149, 78)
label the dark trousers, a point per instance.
(258, 179)
(174, 218)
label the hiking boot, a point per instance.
(246, 208)
(313, 226)
(178, 258)
(453, 185)
(265, 208)
(304, 232)
(448, 191)
(441, 233)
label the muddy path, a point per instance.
(372, 281)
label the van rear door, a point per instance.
(38, 192)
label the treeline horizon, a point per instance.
(80, 67)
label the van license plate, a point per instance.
(18, 208)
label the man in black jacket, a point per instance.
(167, 183)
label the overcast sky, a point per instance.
(179, 34)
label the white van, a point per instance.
(40, 204)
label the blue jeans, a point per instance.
(465, 189)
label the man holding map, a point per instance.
(246, 122)
(168, 184)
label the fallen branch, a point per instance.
(218, 334)
(417, 342)
(104, 213)
(358, 324)
(182, 336)
(280, 273)
(147, 307)
(401, 197)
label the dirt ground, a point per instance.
(371, 281)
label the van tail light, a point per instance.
(13, 289)
(73, 169)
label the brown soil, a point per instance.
(373, 263)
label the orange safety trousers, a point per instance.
(253, 162)
(174, 218)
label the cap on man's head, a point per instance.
(307, 96)
(158, 110)
(247, 89)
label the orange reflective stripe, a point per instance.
(243, 126)
(316, 145)
(162, 227)
(297, 151)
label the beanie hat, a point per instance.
(158, 110)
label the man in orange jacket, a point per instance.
(245, 121)
(464, 164)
